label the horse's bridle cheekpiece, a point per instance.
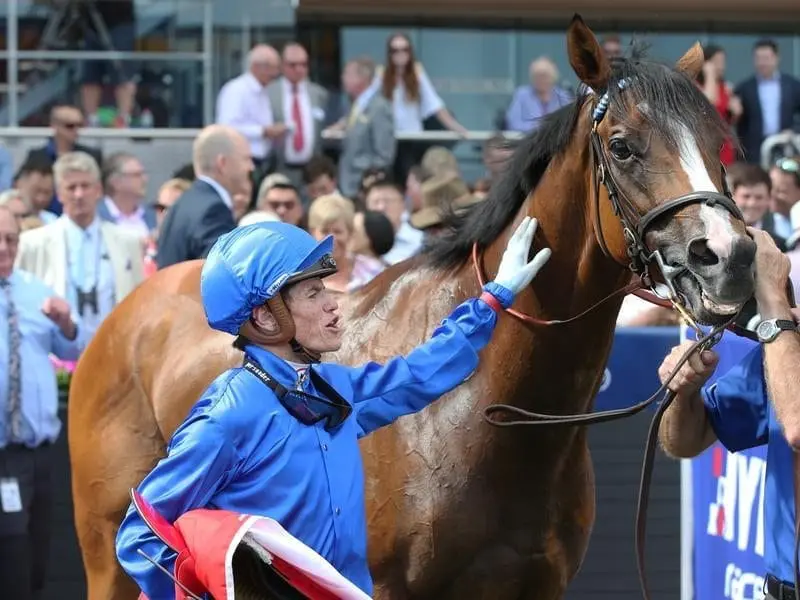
(635, 225)
(640, 259)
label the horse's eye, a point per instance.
(619, 149)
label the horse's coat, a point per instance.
(456, 509)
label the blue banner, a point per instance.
(632, 371)
(727, 493)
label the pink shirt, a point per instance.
(364, 269)
(134, 222)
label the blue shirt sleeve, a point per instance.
(6, 169)
(199, 458)
(70, 349)
(515, 120)
(737, 404)
(404, 385)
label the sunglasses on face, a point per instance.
(306, 408)
(71, 125)
(399, 50)
(288, 205)
(160, 207)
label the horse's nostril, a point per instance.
(743, 253)
(701, 254)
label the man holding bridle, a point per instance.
(278, 437)
(757, 402)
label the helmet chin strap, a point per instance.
(284, 335)
(309, 355)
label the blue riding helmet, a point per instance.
(250, 265)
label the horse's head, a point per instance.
(662, 193)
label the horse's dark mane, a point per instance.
(671, 97)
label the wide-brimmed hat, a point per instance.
(440, 195)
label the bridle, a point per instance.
(640, 260)
(634, 225)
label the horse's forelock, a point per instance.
(674, 103)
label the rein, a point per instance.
(640, 259)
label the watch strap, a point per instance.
(785, 325)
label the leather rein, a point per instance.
(640, 260)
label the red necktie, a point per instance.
(298, 141)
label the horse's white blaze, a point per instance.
(719, 228)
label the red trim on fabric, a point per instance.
(493, 302)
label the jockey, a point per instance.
(278, 436)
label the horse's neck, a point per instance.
(577, 276)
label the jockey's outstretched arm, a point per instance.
(200, 459)
(407, 384)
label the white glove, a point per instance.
(515, 272)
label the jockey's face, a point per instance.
(316, 316)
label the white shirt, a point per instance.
(409, 114)
(794, 216)
(226, 197)
(243, 104)
(307, 122)
(89, 265)
(407, 242)
(47, 217)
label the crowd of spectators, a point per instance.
(79, 230)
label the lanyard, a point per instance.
(305, 407)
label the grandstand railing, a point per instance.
(179, 134)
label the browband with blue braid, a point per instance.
(602, 104)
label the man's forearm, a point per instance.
(782, 368)
(685, 430)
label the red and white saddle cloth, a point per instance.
(220, 551)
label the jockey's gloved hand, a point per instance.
(515, 272)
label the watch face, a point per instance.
(766, 329)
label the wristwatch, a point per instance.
(769, 329)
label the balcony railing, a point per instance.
(43, 58)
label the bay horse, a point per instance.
(627, 177)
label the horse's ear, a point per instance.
(586, 56)
(691, 63)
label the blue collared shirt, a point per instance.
(526, 111)
(39, 337)
(89, 264)
(743, 417)
(6, 169)
(769, 95)
(240, 450)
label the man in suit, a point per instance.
(66, 121)
(770, 101)
(368, 140)
(301, 105)
(124, 203)
(91, 263)
(751, 187)
(222, 162)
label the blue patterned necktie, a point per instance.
(13, 413)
